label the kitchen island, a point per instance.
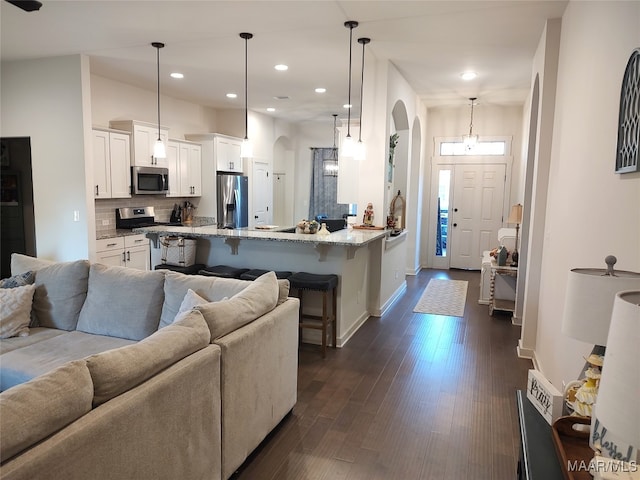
(354, 255)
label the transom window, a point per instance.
(480, 148)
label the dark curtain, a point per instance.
(324, 189)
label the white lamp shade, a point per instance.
(360, 152)
(515, 215)
(618, 407)
(589, 302)
(348, 148)
(159, 150)
(246, 149)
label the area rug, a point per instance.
(443, 297)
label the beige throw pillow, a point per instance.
(119, 370)
(225, 316)
(15, 311)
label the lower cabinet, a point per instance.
(129, 251)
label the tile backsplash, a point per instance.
(163, 206)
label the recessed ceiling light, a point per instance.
(281, 67)
(321, 90)
(271, 109)
(346, 105)
(468, 75)
(232, 95)
(177, 75)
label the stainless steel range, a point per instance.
(134, 217)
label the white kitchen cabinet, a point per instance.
(111, 164)
(226, 152)
(131, 251)
(143, 138)
(185, 168)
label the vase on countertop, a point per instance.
(323, 230)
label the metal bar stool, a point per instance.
(320, 283)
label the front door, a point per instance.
(475, 213)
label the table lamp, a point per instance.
(587, 314)
(515, 216)
(615, 425)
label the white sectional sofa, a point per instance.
(146, 375)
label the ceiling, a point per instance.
(430, 42)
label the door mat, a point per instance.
(443, 297)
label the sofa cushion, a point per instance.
(36, 334)
(190, 301)
(225, 316)
(23, 364)
(116, 371)
(37, 409)
(23, 263)
(26, 278)
(15, 311)
(213, 289)
(122, 302)
(60, 290)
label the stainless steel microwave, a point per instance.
(149, 180)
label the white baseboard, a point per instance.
(387, 305)
(527, 353)
(354, 328)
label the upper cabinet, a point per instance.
(111, 164)
(226, 152)
(144, 136)
(185, 168)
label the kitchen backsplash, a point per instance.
(106, 209)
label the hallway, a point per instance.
(411, 396)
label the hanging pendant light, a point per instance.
(360, 149)
(348, 146)
(330, 164)
(246, 149)
(159, 150)
(471, 139)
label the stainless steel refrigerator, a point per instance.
(233, 200)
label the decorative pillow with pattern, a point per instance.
(26, 278)
(15, 311)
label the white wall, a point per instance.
(44, 99)
(592, 211)
(113, 100)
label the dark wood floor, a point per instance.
(411, 396)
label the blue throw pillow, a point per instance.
(26, 278)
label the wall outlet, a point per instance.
(76, 215)
(105, 223)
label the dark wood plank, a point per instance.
(411, 396)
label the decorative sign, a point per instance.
(610, 446)
(628, 153)
(544, 396)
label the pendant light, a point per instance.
(471, 139)
(360, 150)
(330, 164)
(246, 149)
(159, 150)
(348, 146)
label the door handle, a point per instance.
(455, 209)
(128, 256)
(97, 190)
(255, 216)
(455, 224)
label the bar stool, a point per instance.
(223, 271)
(319, 283)
(190, 270)
(256, 272)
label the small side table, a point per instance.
(504, 304)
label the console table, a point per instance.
(538, 459)
(499, 302)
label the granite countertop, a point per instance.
(345, 237)
(116, 233)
